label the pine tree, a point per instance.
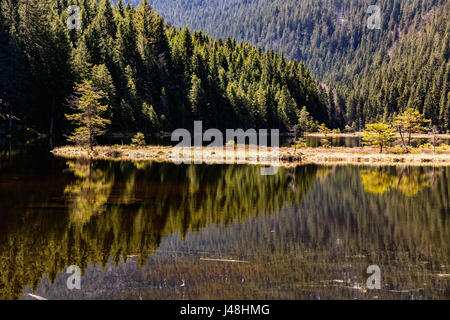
(102, 80)
(379, 134)
(196, 97)
(49, 64)
(409, 122)
(151, 118)
(186, 51)
(81, 60)
(287, 108)
(86, 100)
(143, 20)
(136, 60)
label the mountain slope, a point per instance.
(156, 77)
(332, 37)
(413, 72)
(325, 33)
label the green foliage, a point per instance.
(34, 62)
(409, 122)
(138, 140)
(374, 72)
(300, 143)
(397, 150)
(136, 58)
(155, 76)
(322, 128)
(151, 118)
(411, 70)
(90, 124)
(101, 79)
(348, 129)
(305, 121)
(380, 134)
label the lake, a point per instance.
(148, 230)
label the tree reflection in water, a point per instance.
(306, 232)
(408, 180)
(88, 194)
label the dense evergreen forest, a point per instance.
(371, 73)
(156, 77)
(159, 77)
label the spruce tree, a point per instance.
(87, 102)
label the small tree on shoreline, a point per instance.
(138, 140)
(379, 133)
(86, 100)
(409, 122)
(434, 139)
(323, 129)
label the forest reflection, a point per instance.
(408, 180)
(118, 209)
(89, 193)
(299, 230)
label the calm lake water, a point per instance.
(161, 231)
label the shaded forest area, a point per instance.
(155, 77)
(372, 74)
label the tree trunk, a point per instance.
(403, 139)
(10, 119)
(91, 137)
(52, 117)
(91, 143)
(50, 130)
(10, 151)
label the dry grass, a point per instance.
(360, 134)
(286, 157)
(334, 135)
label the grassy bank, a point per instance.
(360, 134)
(286, 157)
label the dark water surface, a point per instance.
(161, 231)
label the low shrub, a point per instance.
(426, 146)
(138, 140)
(396, 150)
(300, 143)
(443, 147)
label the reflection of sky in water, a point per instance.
(222, 231)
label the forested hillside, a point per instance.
(161, 77)
(323, 33)
(332, 37)
(413, 72)
(155, 77)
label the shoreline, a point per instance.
(286, 157)
(360, 134)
